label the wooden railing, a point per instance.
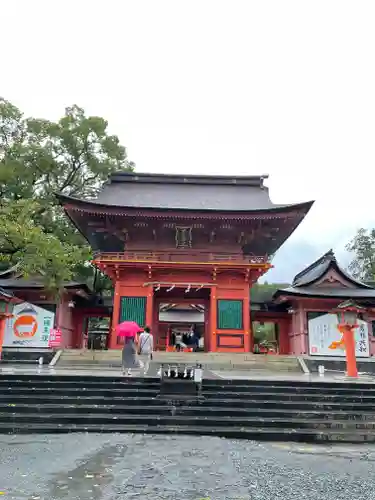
(181, 256)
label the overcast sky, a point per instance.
(217, 87)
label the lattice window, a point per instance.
(229, 314)
(133, 309)
(183, 237)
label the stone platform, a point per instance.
(273, 409)
(211, 361)
(338, 364)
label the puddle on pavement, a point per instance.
(87, 480)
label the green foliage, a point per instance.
(263, 292)
(38, 158)
(36, 252)
(263, 332)
(362, 246)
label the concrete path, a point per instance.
(129, 467)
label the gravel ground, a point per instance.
(123, 467)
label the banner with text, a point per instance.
(30, 326)
(326, 340)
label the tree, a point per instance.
(36, 252)
(362, 246)
(38, 158)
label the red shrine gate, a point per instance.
(222, 287)
(162, 237)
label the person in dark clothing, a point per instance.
(194, 338)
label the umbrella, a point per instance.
(128, 329)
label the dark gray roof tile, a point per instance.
(157, 191)
(17, 283)
(319, 268)
(328, 292)
(5, 293)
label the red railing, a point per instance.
(181, 256)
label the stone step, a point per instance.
(259, 434)
(190, 410)
(143, 384)
(164, 356)
(275, 385)
(197, 421)
(253, 368)
(321, 384)
(277, 410)
(77, 384)
(13, 399)
(217, 361)
(129, 390)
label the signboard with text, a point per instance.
(30, 326)
(326, 340)
(55, 338)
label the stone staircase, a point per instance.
(75, 358)
(259, 410)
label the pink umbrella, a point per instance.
(128, 329)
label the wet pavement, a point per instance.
(124, 467)
(153, 372)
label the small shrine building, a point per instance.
(314, 293)
(44, 310)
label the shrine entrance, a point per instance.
(271, 332)
(181, 314)
(265, 337)
(222, 300)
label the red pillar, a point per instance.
(150, 307)
(207, 331)
(284, 345)
(248, 344)
(213, 320)
(349, 341)
(112, 343)
(2, 333)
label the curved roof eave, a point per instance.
(333, 293)
(350, 278)
(6, 294)
(324, 268)
(64, 199)
(10, 270)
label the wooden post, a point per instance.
(248, 347)
(349, 341)
(150, 307)
(2, 333)
(213, 320)
(207, 331)
(112, 344)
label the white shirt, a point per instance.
(146, 343)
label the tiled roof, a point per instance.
(183, 192)
(344, 293)
(5, 294)
(317, 269)
(14, 283)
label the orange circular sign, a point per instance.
(25, 326)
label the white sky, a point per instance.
(221, 87)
